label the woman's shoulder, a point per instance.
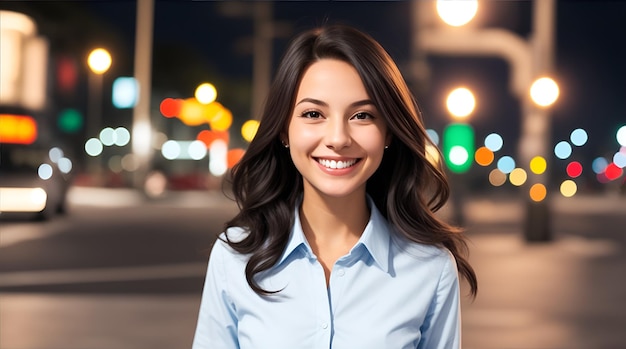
(230, 235)
(420, 251)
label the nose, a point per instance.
(337, 134)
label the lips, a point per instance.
(336, 164)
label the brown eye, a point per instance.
(362, 116)
(311, 115)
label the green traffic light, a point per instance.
(70, 121)
(458, 147)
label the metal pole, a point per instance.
(94, 120)
(142, 129)
(536, 122)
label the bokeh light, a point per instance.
(544, 91)
(93, 147)
(122, 136)
(484, 156)
(458, 155)
(563, 150)
(233, 156)
(599, 164)
(196, 150)
(621, 136)
(568, 188)
(222, 121)
(506, 164)
(518, 177)
(218, 158)
(192, 112)
(45, 171)
(538, 165)
(249, 129)
(496, 177)
(457, 12)
(107, 136)
(99, 61)
(619, 159)
(574, 169)
(170, 107)
(205, 93)
(55, 154)
(579, 137)
(433, 135)
(538, 192)
(494, 142)
(65, 165)
(170, 150)
(461, 102)
(612, 172)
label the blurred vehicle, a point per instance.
(34, 176)
(34, 173)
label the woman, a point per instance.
(336, 244)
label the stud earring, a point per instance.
(285, 144)
(386, 146)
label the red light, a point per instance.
(170, 107)
(574, 169)
(613, 172)
(18, 129)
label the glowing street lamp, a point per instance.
(206, 93)
(461, 102)
(457, 12)
(99, 61)
(544, 92)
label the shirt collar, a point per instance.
(375, 239)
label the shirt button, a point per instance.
(324, 325)
(341, 272)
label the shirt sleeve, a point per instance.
(442, 326)
(217, 320)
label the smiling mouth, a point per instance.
(337, 164)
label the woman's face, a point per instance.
(336, 135)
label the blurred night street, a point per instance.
(142, 107)
(122, 272)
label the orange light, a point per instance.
(484, 156)
(233, 156)
(538, 192)
(18, 129)
(222, 121)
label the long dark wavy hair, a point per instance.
(407, 188)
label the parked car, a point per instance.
(34, 176)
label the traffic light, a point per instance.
(70, 120)
(458, 147)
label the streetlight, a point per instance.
(528, 59)
(457, 12)
(99, 62)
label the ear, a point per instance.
(388, 138)
(284, 138)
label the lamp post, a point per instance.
(528, 59)
(99, 62)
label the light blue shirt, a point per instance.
(386, 293)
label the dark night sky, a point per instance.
(590, 56)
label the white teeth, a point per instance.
(336, 164)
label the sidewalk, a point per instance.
(568, 293)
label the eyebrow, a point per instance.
(324, 104)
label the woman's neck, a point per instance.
(331, 220)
